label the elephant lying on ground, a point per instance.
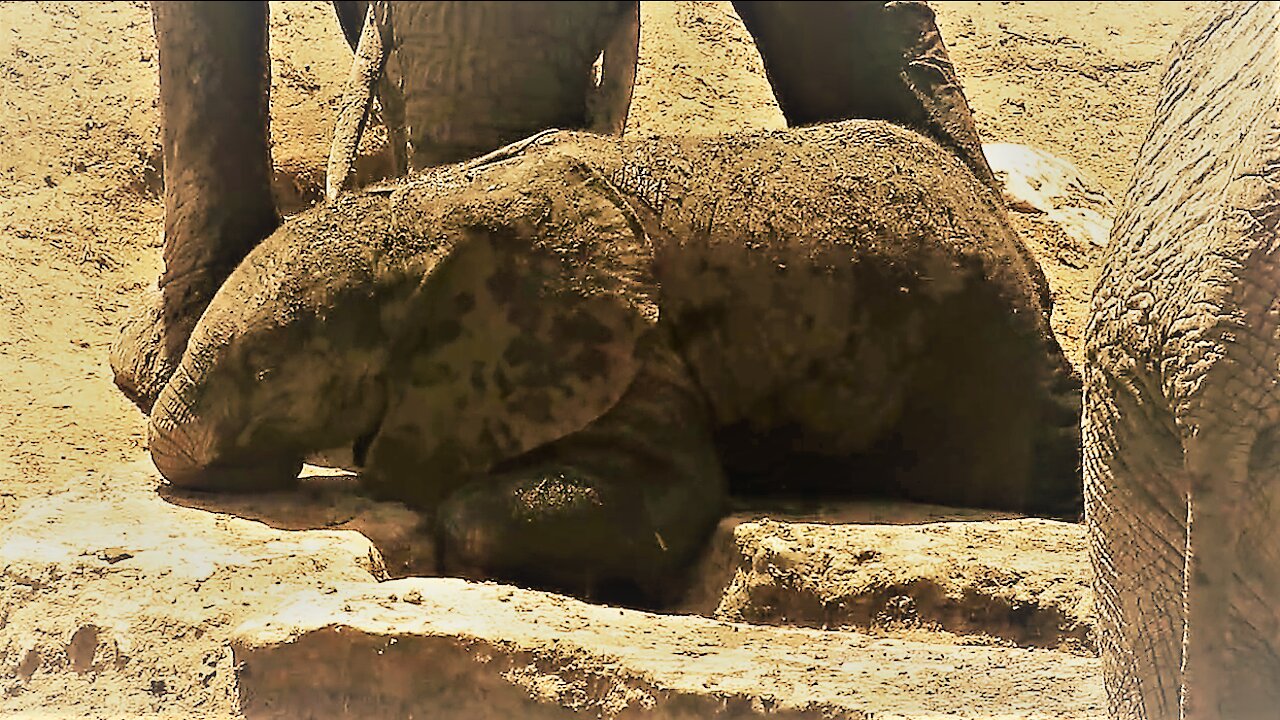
(1182, 398)
(567, 350)
(476, 76)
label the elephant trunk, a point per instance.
(190, 450)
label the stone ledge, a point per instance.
(448, 648)
(202, 614)
(1010, 580)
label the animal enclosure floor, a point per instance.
(114, 603)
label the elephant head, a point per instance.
(1182, 391)
(240, 414)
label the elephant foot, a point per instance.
(615, 512)
(558, 528)
(139, 358)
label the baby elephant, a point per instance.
(569, 352)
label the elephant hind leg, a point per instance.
(615, 512)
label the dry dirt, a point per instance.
(117, 603)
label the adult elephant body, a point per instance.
(476, 76)
(564, 352)
(1182, 392)
(473, 76)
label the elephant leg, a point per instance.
(357, 99)
(609, 103)
(214, 84)
(615, 511)
(1186, 300)
(480, 75)
(351, 19)
(875, 60)
(1135, 489)
(1231, 663)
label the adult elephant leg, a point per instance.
(214, 85)
(351, 18)
(1231, 667)
(875, 60)
(1135, 490)
(369, 74)
(1185, 320)
(1231, 664)
(609, 102)
(480, 75)
(1183, 531)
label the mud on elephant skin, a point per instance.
(214, 99)
(1182, 410)
(475, 76)
(571, 352)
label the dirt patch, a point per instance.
(1077, 80)
(97, 623)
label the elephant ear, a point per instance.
(525, 332)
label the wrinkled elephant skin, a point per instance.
(214, 99)
(1182, 406)
(569, 351)
(474, 76)
(217, 176)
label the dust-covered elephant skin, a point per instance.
(481, 74)
(468, 78)
(214, 81)
(830, 61)
(569, 352)
(476, 75)
(1182, 410)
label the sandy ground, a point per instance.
(80, 223)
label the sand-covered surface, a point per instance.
(117, 602)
